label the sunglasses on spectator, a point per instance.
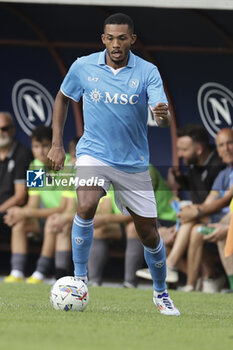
(5, 128)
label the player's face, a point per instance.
(117, 39)
(224, 143)
(40, 149)
(187, 150)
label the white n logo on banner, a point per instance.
(215, 104)
(32, 104)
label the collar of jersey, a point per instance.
(130, 64)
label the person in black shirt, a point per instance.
(14, 161)
(203, 165)
(202, 162)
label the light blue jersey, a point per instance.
(115, 108)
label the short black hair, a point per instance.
(41, 133)
(196, 132)
(120, 18)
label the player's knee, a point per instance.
(149, 236)
(86, 209)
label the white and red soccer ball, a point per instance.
(69, 294)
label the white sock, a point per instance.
(17, 273)
(38, 275)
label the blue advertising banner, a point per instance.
(30, 80)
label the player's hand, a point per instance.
(57, 157)
(161, 114)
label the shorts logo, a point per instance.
(35, 178)
(32, 104)
(79, 240)
(133, 83)
(215, 104)
(159, 264)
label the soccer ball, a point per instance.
(69, 294)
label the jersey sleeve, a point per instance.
(71, 85)
(155, 90)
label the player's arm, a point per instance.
(162, 114)
(57, 154)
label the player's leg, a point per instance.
(134, 194)
(83, 226)
(19, 248)
(155, 256)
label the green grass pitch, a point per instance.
(115, 318)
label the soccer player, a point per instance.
(116, 87)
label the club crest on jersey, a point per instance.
(133, 83)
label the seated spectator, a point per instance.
(218, 236)
(57, 240)
(202, 162)
(14, 160)
(222, 184)
(203, 165)
(25, 219)
(109, 230)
